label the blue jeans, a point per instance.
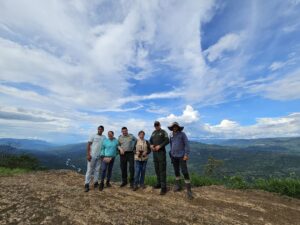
(106, 169)
(140, 170)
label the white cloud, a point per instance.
(161, 95)
(292, 60)
(285, 88)
(226, 125)
(227, 43)
(285, 126)
(189, 115)
(277, 65)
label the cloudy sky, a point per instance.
(223, 69)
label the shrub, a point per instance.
(8, 171)
(19, 161)
(237, 182)
(285, 186)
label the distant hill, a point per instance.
(249, 161)
(284, 144)
(250, 158)
(26, 143)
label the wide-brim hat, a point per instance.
(180, 128)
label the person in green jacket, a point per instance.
(159, 139)
(109, 151)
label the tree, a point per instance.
(212, 166)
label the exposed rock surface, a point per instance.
(57, 197)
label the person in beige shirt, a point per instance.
(141, 152)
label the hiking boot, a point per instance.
(177, 186)
(101, 186)
(157, 186)
(163, 191)
(189, 193)
(108, 184)
(123, 184)
(86, 187)
(135, 187)
(96, 185)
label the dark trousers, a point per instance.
(179, 163)
(127, 158)
(106, 170)
(140, 171)
(160, 164)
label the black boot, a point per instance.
(101, 186)
(135, 187)
(86, 187)
(108, 184)
(177, 186)
(189, 193)
(123, 184)
(163, 191)
(96, 185)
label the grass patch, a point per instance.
(285, 186)
(4, 171)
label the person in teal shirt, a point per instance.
(108, 153)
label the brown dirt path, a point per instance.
(57, 197)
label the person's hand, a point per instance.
(107, 159)
(89, 157)
(145, 154)
(185, 158)
(152, 147)
(157, 147)
(122, 151)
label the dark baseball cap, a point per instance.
(156, 123)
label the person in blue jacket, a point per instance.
(108, 153)
(179, 153)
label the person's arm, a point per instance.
(186, 147)
(134, 148)
(170, 141)
(151, 140)
(117, 152)
(88, 148)
(102, 153)
(166, 140)
(121, 151)
(119, 144)
(148, 148)
(88, 151)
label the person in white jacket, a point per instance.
(94, 146)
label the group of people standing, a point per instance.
(102, 151)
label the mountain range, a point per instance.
(247, 157)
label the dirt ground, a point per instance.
(57, 197)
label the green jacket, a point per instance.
(159, 137)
